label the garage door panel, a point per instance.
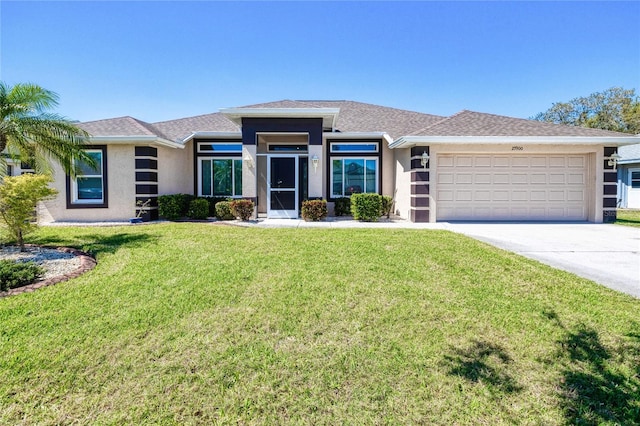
(511, 187)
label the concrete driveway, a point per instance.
(607, 254)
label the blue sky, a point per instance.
(163, 60)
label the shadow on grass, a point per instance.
(593, 389)
(484, 363)
(96, 244)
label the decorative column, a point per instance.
(610, 188)
(146, 158)
(420, 208)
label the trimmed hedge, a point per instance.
(342, 206)
(366, 207)
(198, 209)
(174, 206)
(242, 209)
(18, 274)
(314, 210)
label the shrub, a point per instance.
(198, 209)
(242, 209)
(366, 207)
(184, 201)
(16, 274)
(387, 205)
(19, 196)
(169, 207)
(212, 204)
(174, 206)
(342, 206)
(314, 210)
(223, 210)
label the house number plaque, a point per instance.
(517, 148)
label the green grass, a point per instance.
(628, 217)
(209, 324)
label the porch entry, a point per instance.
(287, 183)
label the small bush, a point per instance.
(174, 206)
(169, 207)
(223, 210)
(212, 204)
(314, 210)
(242, 209)
(366, 207)
(16, 274)
(342, 206)
(387, 205)
(198, 209)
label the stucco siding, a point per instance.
(176, 170)
(120, 191)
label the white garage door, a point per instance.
(511, 187)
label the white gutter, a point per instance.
(410, 141)
(358, 135)
(209, 135)
(122, 140)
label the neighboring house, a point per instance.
(629, 177)
(480, 166)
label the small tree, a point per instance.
(19, 196)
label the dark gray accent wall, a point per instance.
(420, 210)
(610, 188)
(146, 161)
(252, 126)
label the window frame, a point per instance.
(353, 155)
(233, 175)
(376, 160)
(73, 202)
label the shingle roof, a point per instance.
(470, 123)
(353, 117)
(121, 126)
(184, 127)
(363, 117)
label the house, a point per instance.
(629, 177)
(469, 166)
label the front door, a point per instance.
(633, 192)
(282, 187)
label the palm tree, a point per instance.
(31, 134)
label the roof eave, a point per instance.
(194, 135)
(128, 140)
(328, 115)
(409, 141)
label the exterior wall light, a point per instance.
(249, 160)
(424, 160)
(314, 161)
(613, 160)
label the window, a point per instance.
(354, 147)
(220, 147)
(635, 179)
(350, 175)
(220, 177)
(89, 188)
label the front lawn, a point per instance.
(212, 324)
(628, 217)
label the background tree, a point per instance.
(31, 134)
(614, 109)
(19, 196)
